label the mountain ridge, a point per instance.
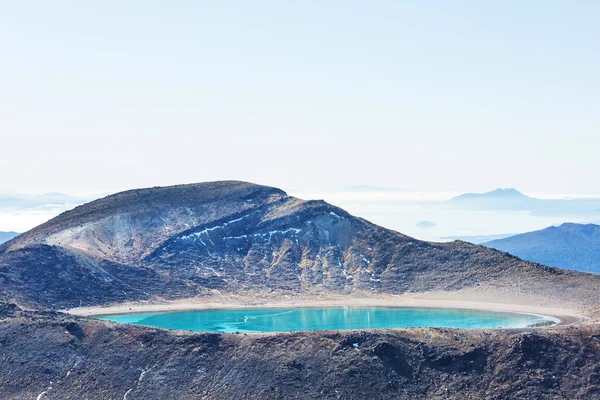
(189, 240)
(508, 193)
(570, 245)
(144, 202)
(513, 200)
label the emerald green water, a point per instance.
(316, 319)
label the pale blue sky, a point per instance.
(428, 95)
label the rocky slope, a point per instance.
(188, 240)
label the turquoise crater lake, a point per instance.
(338, 318)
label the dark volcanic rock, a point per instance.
(84, 359)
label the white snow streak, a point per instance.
(344, 270)
(207, 230)
(210, 269)
(77, 360)
(144, 371)
(164, 224)
(137, 383)
(269, 234)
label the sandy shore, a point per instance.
(455, 300)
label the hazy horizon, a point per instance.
(432, 98)
(408, 193)
(401, 210)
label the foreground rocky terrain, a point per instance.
(240, 238)
(47, 355)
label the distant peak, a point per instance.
(506, 192)
(425, 224)
(500, 193)
(575, 226)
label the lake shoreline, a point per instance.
(439, 300)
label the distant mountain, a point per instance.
(513, 200)
(6, 236)
(494, 194)
(425, 224)
(20, 201)
(478, 239)
(497, 199)
(569, 246)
